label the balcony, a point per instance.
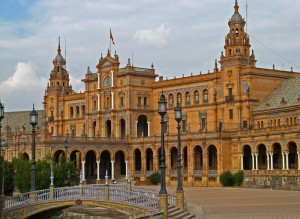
(50, 119)
(229, 98)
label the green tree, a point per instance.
(21, 169)
(65, 173)
(8, 178)
(43, 174)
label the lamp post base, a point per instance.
(180, 199)
(163, 204)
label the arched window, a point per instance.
(83, 110)
(71, 112)
(171, 100)
(107, 81)
(205, 96)
(77, 111)
(196, 97)
(236, 32)
(179, 97)
(187, 98)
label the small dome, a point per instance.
(59, 58)
(236, 17)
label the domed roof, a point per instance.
(59, 58)
(236, 17)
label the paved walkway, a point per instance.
(241, 203)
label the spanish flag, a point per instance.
(111, 37)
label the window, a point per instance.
(83, 110)
(245, 124)
(94, 86)
(71, 112)
(139, 101)
(205, 96)
(231, 114)
(77, 111)
(183, 124)
(107, 102)
(203, 124)
(107, 81)
(196, 97)
(94, 104)
(236, 32)
(121, 82)
(179, 97)
(171, 100)
(229, 52)
(122, 101)
(230, 92)
(145, 101)
(187, 98)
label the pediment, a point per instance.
(107, 63)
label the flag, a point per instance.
(111, 37)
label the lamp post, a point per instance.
(66, 145)
(1, 151)
(179, 191)
(163, 196)
(33, 122)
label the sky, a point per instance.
(177, 36)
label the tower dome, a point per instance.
(236, 19)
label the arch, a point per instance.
(142, 126)
(149, 160)
(277, 157)
(57, 154)
(198, 158)
(90, 166)
(187, 98)
(105, 163)
(120, 167)
(205, 96)
(293, 156)
(212, 158)
(171, 100)
(262, 157)
(137, 160)
(185, 159)
(77, 112)
(196, 97)
(179, 98)
(122, 128)
(25, 156)
(247, 158)
(108, 128)
(76, 156)
(173, 158)
(83, 110)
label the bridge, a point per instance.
(134, 201)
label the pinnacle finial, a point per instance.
(236, 7)
(58, 49)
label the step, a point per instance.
(176, 213)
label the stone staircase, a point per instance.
(176, 213)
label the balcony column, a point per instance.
(98, 170)
(283, 160)
(287, 161)
(268, 161)
(242, 161)
(112, 170)
(298, 160)
(256, 161)
(148, 129)
(98, 80)
(253, 157)
(271, 155)
(98, 95)
(112, 78)
(126, 167)
(112, 100)
(83, 170)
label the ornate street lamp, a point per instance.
(179, 191)
(2, 152)
(66, 145)
(163, 199)
(33, 122)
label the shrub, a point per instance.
(226, 178)
(154, 178)
(238, 178)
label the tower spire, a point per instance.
(58, 49)
(236, 7)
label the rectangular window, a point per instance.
(139, 101)
(230, 92)
(122, 101)
(94, 104)
(245, 124)
(231, 114)
(183, 123)
(145, 101)
(203, 124)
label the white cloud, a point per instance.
(155, 37)
(23, 88)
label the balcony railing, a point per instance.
(90, 139)
(229, 98)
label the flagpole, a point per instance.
(109, 40)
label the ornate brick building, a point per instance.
(236, 117)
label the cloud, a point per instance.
(23, 88)
(155, 37)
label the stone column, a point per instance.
(287, 161)
(98, 95)
(268, 161)
(163, 204)
(253, 157)
(83, 171)
(242, 161)
(271, 155)
(298, 160)
(98, 80)
(148, 129)
(283, 160)
(98, 171)
(112, 78)
(126, 171)
(136, 125)
(78, 155)
(112, 100)
(256, 161)
(112, 170)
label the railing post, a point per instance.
(180, 199)
(128, 182)
(52, 192)
(106, 187)
(80, 189)
(163, 204)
